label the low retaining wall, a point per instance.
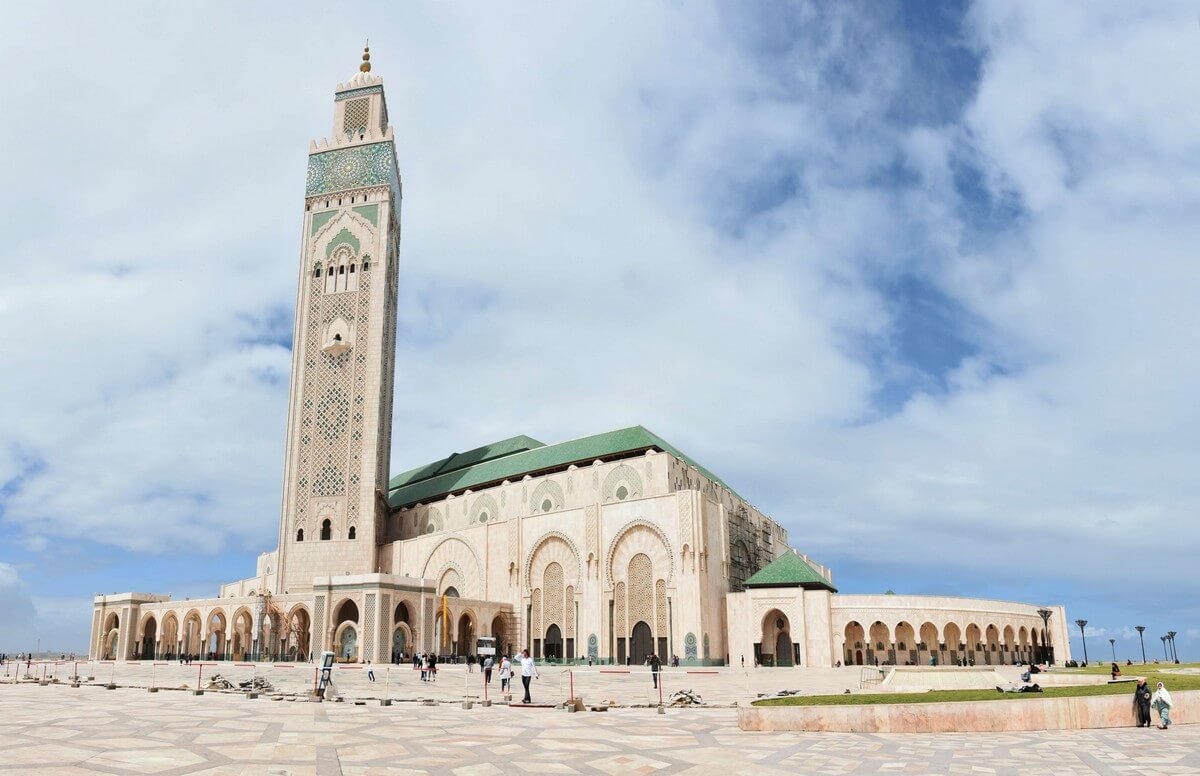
(1092, 711)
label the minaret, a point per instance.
(340, 409)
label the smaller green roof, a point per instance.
(789, 570)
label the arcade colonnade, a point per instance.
(262, 628)
(787, 625)
(929, 630)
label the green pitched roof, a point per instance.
(789, 570)
(459, 461)
(513, 458)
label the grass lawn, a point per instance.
(1153, 674)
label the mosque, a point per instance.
(608, 547)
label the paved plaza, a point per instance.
(61, 730)
(607, 684)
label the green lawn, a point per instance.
(1153, 674)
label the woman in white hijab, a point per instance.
(1162, 702)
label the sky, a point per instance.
(917, 279)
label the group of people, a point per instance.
(1144, 701)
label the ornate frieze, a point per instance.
(343, 169)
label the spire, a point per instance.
(366, 63)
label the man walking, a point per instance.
(655, 667)
(528, 672)
(370, 671)
(487, 669)
(505, 673)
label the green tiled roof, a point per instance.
(459, 461)
(788, 570)
(514, 458)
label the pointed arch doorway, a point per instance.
(553, 647)
(642, 643)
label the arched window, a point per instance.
(351, 534)
(351, 269)
(326, 531)
(330, 271)
(342, 270)
(299, 534)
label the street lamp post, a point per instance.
(1139, 629)
(1165, 655)
(1174, 652)
(1045, 615)
(1083, 635)
(1113, 643)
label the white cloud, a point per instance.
(578, 255)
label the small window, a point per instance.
(326, 531)
(429, 528)
(483, 516)
(317, 272)
(300, 535)
(330, 272)
(351, 532)
(547, 505)
(351, 269)
(366, 266)
(622, 493)
(342, 270)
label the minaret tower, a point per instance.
(340, 410)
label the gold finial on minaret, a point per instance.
(366, 63)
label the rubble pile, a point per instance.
(257, 684)
(218, 682)
(686, 698)
(780, 694)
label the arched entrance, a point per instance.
(498, 632)
(642, 643)
(879, 650)
(214, 642)
(296, 639)
(348, 643)
(783, 649)
(775, 648)
(974, 644)
(243, 626)
(855, 636)
(193, 641)
(345, 634)
(906, 646)
(929, 645)
(954, 646)
(466, 636)
(149, 637)
(554, 645)
(112, 626)
(170, 636)
(399, 643)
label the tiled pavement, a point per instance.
(60, 730)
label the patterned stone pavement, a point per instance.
(61, 730)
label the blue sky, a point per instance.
(918, 279)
